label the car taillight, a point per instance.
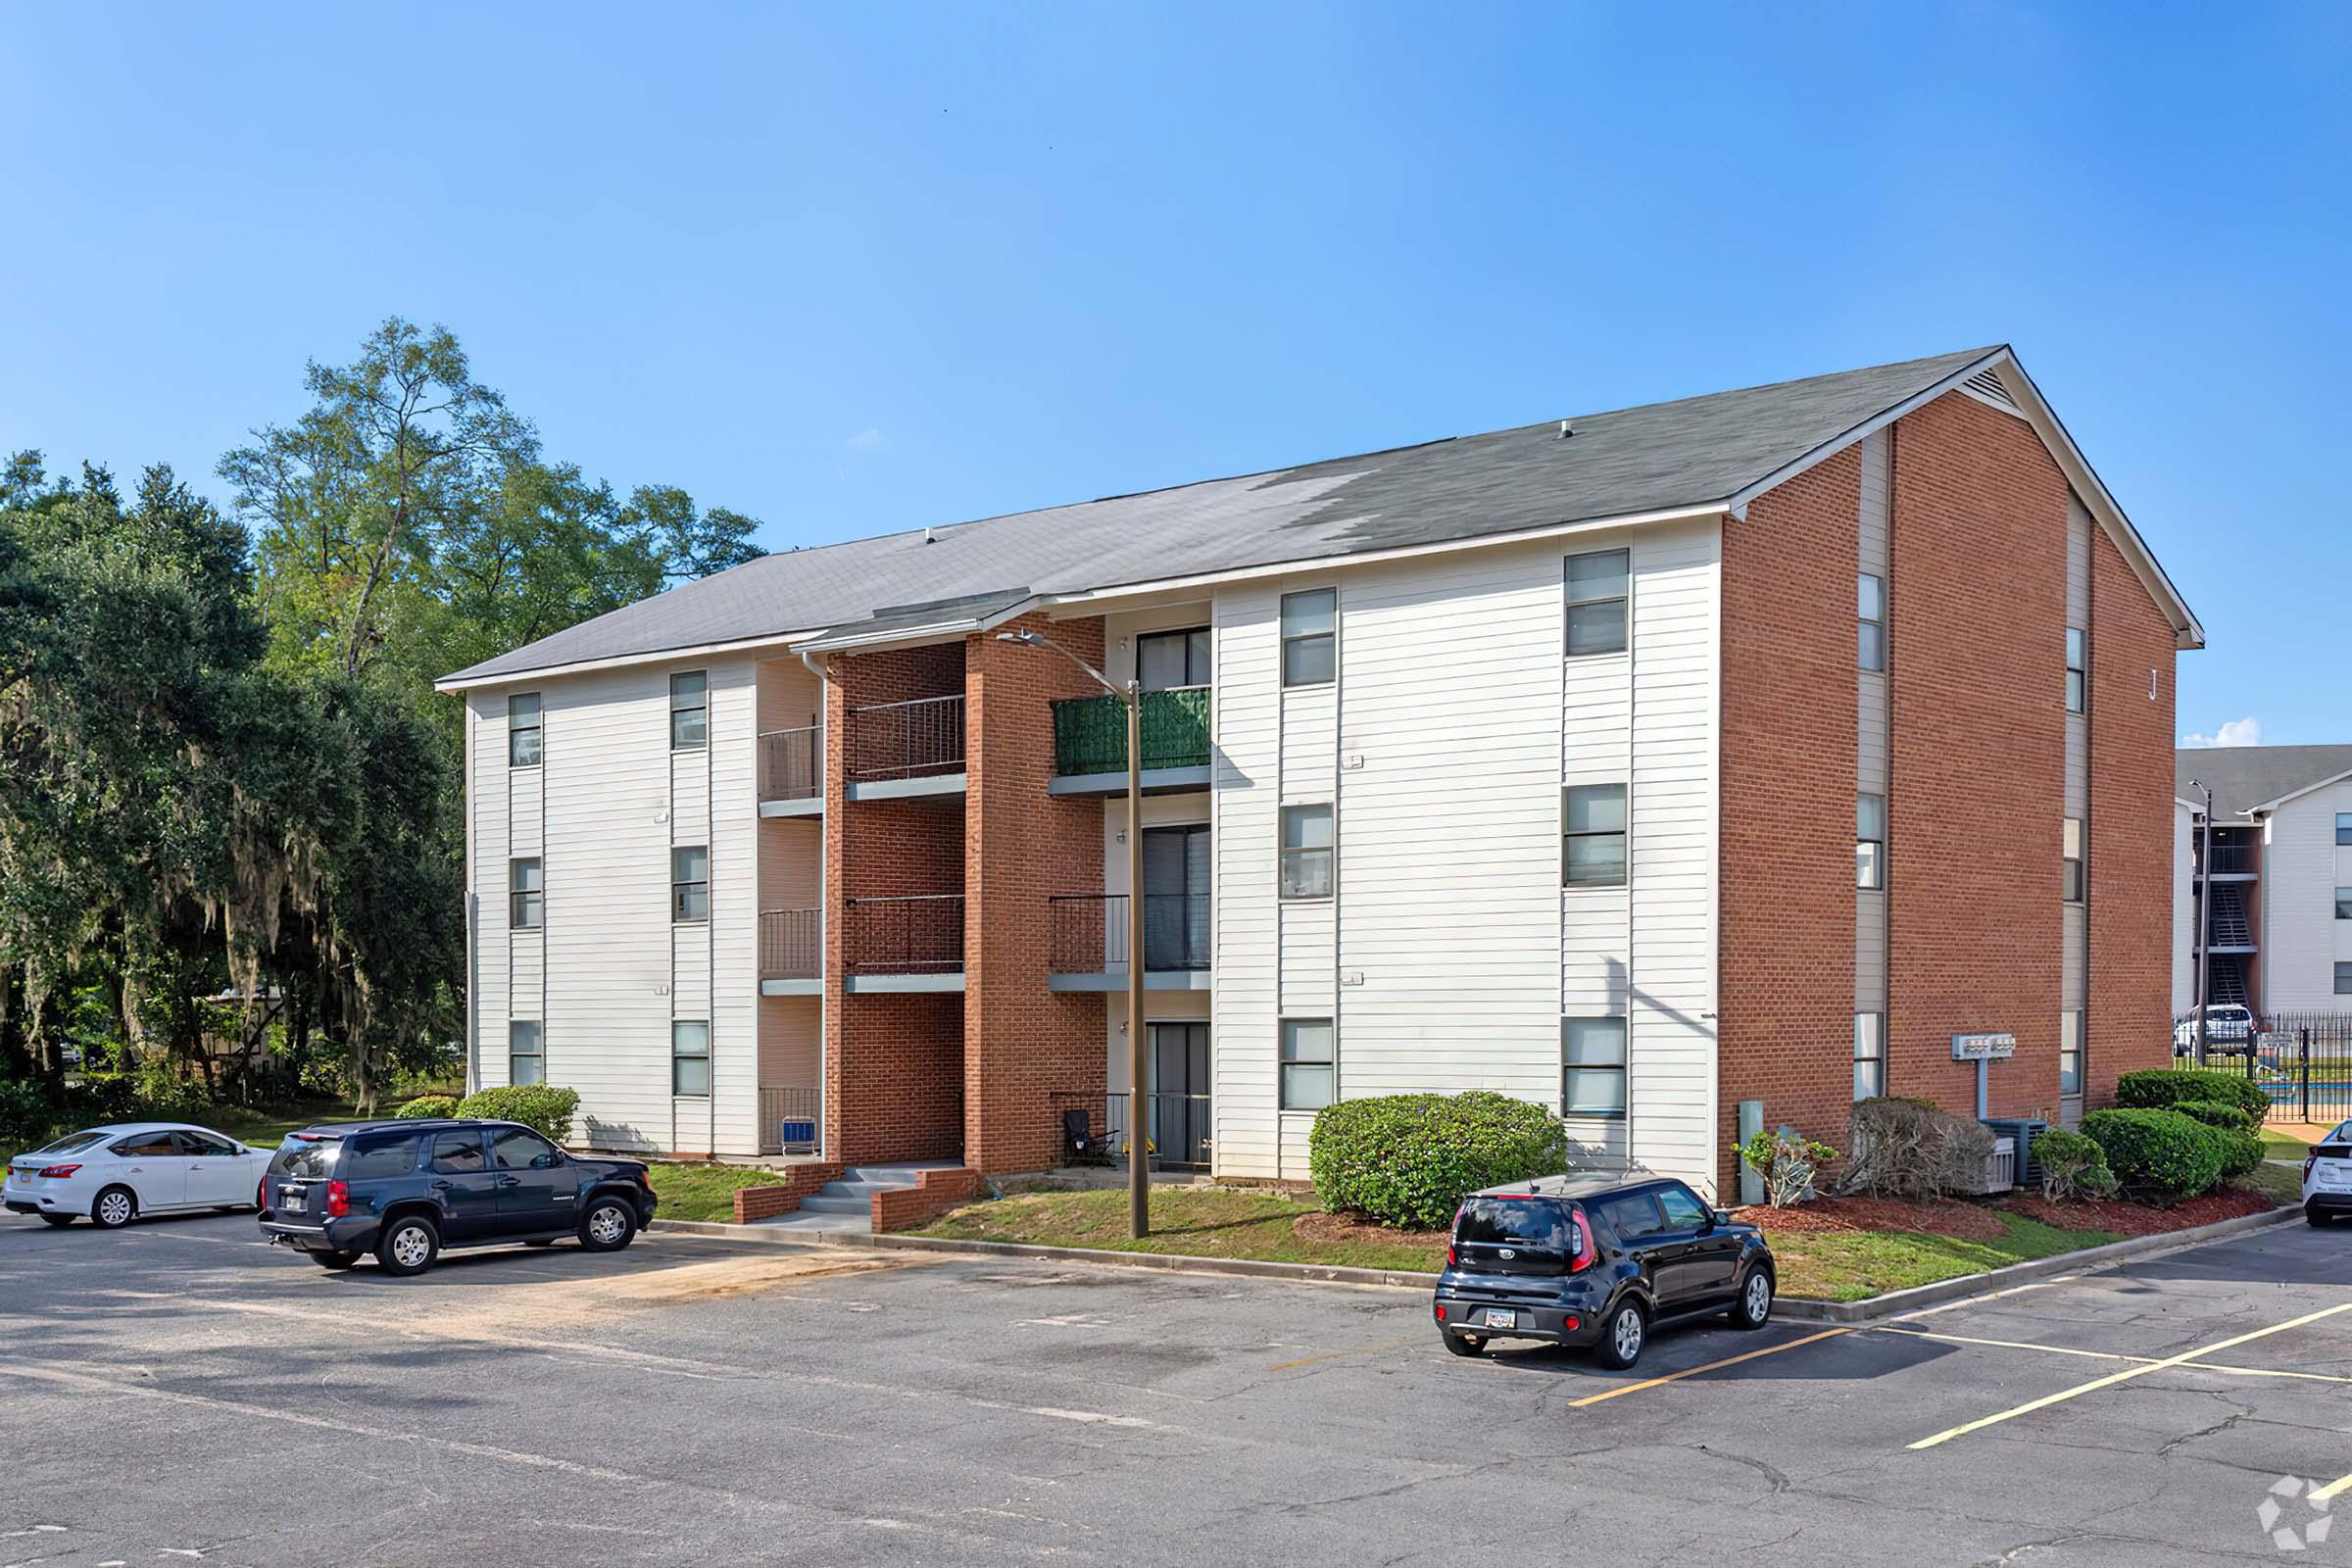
(338, 1199)
(1450, 1234)
(260, 1195)
(58, 1170)
(2308, 1160)
(1582, 1259)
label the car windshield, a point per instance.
(71, 1144)
(305, 1158)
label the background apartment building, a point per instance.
(1521, 761)
(2276, 878)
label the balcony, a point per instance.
(1087, 942)
(1179, 1128)
(792, 953)
(2229, 858)
(787, 1119)
(901, 750)
(904, 944)
(792, 772)
(1090, 743)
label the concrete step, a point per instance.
(831, 1203)
(804, 1221)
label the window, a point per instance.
(520, 1148)
(1306, 852)
(1592, 835)
(1591, 1066)
(689, 712)
(522, 730)
(690, 883)
(526, 1054)
(204, 1146)
(147, 1145)
(2343, 827)
(523, 894)
(2343, 979)
(2070, 882)
(1873, 598)
(1308, 645)
(1309, 1070)
(2069, 1053)
(2343, 903)
(2077, 657)
(1167, 660)
(1682, 1209)
(1870, 1056)
(1632, 1216)
(1870, 841)
(1596, 603)
(380, 1158)
(690, 1059)
(458, 1154)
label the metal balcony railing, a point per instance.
(1177, 1125)
(919, 935)
(792, 763)
(2229, 858)
(788, 1120)
(792, 944)
(906, 740)
(1086, 932)
(1090, 733)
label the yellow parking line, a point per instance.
(2182, 1360)
(1712, 1366)
(2323, 1494)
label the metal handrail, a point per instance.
(792, 763)
(792, 944)
(1090, 733)
(906, 739)
(1085, 933)
(1180, 1128)
(918, 933)
(782, 1103)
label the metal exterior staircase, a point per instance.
(2230, 927)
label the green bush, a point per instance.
(2073, 1165)
(2158, 1088)
(1409, 1159)
(2160, 1155)
(429, 1107)
(26, 1118)
(542, 1107)
(2216, 1113)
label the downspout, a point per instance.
(825, 677)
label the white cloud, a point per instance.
(865, 441)
(2246, 731)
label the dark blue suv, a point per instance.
(404, 1189)
(1595, 1261)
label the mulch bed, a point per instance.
(1320, 1227)
(2138, 1219)
(1968, 1222)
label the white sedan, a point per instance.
(115, 1174)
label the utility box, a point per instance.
(2021, 1131)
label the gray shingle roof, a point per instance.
(2246, 776)
(1655, 458)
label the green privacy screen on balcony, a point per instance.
(1090, 733)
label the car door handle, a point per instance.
(509, 1181)
(441, 1187)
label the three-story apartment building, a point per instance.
(1522, 762)
(2274, 876)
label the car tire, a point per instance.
(1622, 1336)
(114, 1209)
(1752, 1309)
(2317, 1220)
(336, 1261)
(608, 1225)
(60, 1222)
(409, 1246)
(1463, 1343)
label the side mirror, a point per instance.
(1720, 1216)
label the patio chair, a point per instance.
(1079, 1145)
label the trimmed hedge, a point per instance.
(2160, 1155)
(2157, 1088)
(1409, 1159)
(2215, 1113)
(429, 1107)
(2073, 1165)
(542, 1108)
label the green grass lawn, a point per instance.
(2281, 1184)
(2283, 1145)
(704, 1192)
(1850, 1265)
(1193, 1222)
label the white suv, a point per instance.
(2227, 1022)
(2327, 1177)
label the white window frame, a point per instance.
(1288, 1043)
(1195, 639)
(1869, 653)
(522, 722)
(1870, 1050)
(2077, 670)
(2073, 880)
(1573, 1066)
(684, 1048)
(697, 701)
(1622, 598)
(1623, 833)
(1293, 859)
(521, 899)
(1870, 849)
(2070, 1052)
(537, 1054)
(689, 895)
(1329, 636)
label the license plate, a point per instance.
(1497, 1318)
(289, 1199)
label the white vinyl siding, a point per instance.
(2302, 866)
(1246, 763)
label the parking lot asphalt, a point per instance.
(178, 1391)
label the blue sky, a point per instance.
(857, 267)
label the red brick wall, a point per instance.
(895, 1081)
(1975, 636)
(753, 1204)
(1785, 961)
(933, 1194)
(1023, 1043)
(2129, 1023)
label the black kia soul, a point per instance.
(1591, 1261)
(404, 1189)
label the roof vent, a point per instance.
(1987, 385)
(1565, 431)
(927, 539)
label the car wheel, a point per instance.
(338, 1261)
(1622, 1336)
(409, 1246)
(1752, 1308)
(2317, 1220)
(60, 1222)
(114, 1209)
(607, 1226)
(1463, 1343)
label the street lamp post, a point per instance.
(1138, 1159)
(2204, 893)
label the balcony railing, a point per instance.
(787, 1120)
(919, 935)
(1178, 1126)
(792, 944)
(2227, 860)
(791, 764)
(1086, 932)
(906, 740)
(1090, 733)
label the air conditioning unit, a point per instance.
(2000, 1167)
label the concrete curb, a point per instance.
(1789, 1308)
(1799, 1310)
